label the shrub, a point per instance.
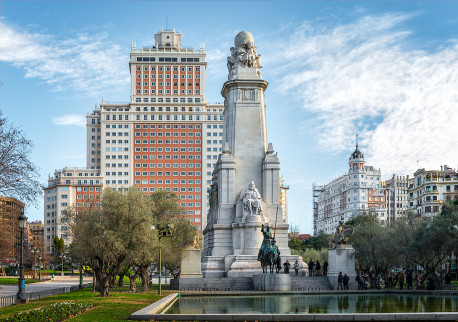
(54, 312)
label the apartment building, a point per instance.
(356, 192)
(10, 209)
(396, 196)
(68, 187)
(430, 189)
(167, 137)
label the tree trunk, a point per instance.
(121, 280)
(144, 277)
(113, 281)
(105, 283)
(132, 284)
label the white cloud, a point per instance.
(365, 77)
(70, 119)
(86, 63)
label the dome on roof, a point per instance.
(357, 154)
(242, 38)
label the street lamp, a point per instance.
(21, 296)
(166, 231)
(39, 268)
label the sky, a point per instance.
(385, 70)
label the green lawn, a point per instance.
(117, 307)
(14, 280)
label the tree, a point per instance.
(18, 174)
(318, 242)
(119, 234)
(59, 249)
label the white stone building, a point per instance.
(356, 192)
(396, 196)
(430, 189)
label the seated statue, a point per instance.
(342, 234)
(252, 200)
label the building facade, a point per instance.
(10, 209)
(167, 137)
(430, 189)
(359, 191)
(396, 196)
(68, 187)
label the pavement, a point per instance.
(55, 283)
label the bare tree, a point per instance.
(18, 174)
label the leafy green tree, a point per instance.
(59, 249)
(120, 234)
(295, 244)
(318, 242)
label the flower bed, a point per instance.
(54, 312)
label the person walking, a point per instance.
(340, 282)
(278, 265)
(318, 268)
(311, 265)
(409, 280)
(400, 278)
(296, 267)
(287, 265)
(325, 268)
(346, 279)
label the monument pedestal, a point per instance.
(272, 282)
(191, 263)
(342, 259)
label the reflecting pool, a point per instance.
(308, 304)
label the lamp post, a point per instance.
(39, 267)
(34, 252)
(81, 276)
(21, 296)
(166, 231)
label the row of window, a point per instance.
(169, 59)
(168, 173)
(167, 100)
(167, 157)
(174, 142)
(168, 76)
(167, 91)
(182, 165)
(168, 181)
(119, 142)
(117, 149)
(175, 118)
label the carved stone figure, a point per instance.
(252, 200)
(213, 195)
(342, 234)
(196, 241)
(244, 53)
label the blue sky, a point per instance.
(388, 70)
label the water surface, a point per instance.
(308, 304)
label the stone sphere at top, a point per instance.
(242, 38)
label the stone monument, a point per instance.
(245, 188)
(341, 257)
(191, 261)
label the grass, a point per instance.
(117, 307)
(14, 280)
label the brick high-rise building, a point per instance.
(166, 138)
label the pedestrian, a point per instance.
(325, 268)
(318, 268)
(400, 278)
(278, 265)
(378, 280)
(417, 281)
(296, 267)
(409, 280)
(389, 281)
(448, 279)
(346, 279)
(311, 265)
(340, 281)
(358, 280)
(287, 265)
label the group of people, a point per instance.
(315, 268)
(287, 265)
(364, 280)
(342, 281)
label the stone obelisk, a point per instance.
(245, 187)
